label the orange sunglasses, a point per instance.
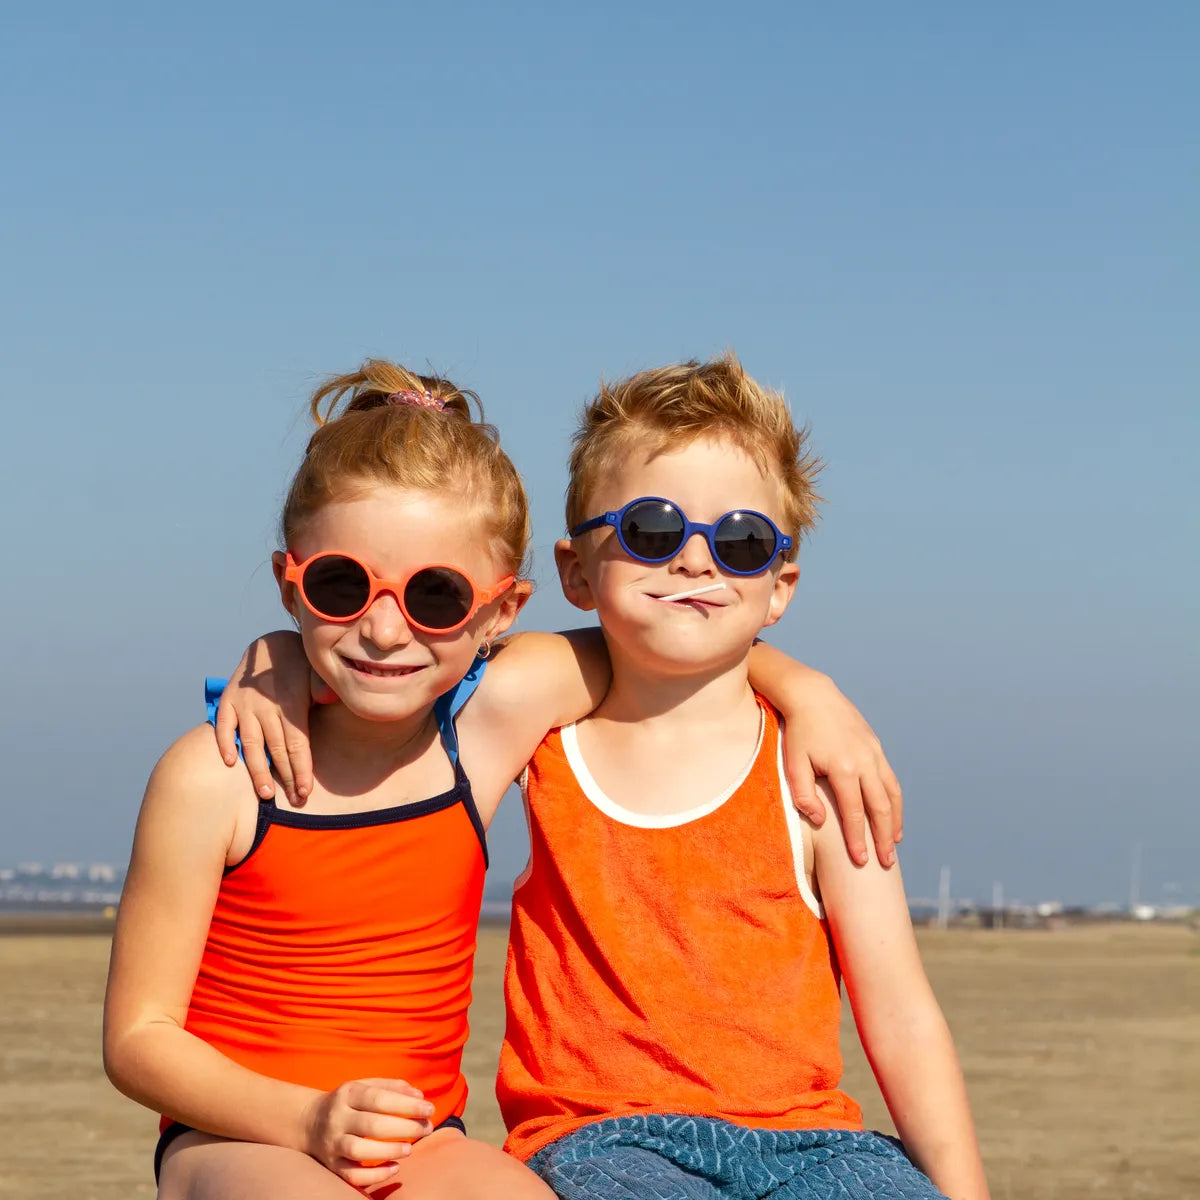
(434, 599)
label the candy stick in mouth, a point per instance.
(712, 587)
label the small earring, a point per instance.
(484, 650)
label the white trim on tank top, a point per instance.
(610, 808)
(796, 832)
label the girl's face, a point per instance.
(381, 667)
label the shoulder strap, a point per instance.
(448, 705)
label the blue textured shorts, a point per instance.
(657, 1157)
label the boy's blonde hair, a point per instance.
(411, 431)
(667, 408)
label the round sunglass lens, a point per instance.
(652, 530)
(438, 598)
(745, 542)
(336, 586)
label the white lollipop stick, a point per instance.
(712, 587)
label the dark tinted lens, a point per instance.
(335, 586)
(652, 530)
(744, 542)
(438, 598)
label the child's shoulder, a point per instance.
(193, 770)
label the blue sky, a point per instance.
(961, 240)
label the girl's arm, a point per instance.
(188, 822)
(825, 735)
(901, 1026)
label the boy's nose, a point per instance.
(384, 624)
(694, 556)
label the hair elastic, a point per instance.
(424, 399)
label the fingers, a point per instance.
(803, 783)
(847, 792)
(297, 753)
(878, 806)
(391, 1097)
(254, 752)
(372, 1172)
(226, 727)
(895, 795)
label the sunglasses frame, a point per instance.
(294, 573)
(616, 516)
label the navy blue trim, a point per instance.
(177, 1129)
(270, 814)
(446, 709)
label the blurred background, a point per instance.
(962, 241)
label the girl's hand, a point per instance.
(267, 702)
(361, 1130)
(826, 735)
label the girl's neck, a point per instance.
(377, 748)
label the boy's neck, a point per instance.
(639, 693)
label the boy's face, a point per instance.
(705, 480)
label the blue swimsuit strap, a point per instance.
(445, 708)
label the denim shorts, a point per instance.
(663, 1157)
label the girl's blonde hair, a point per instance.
(384, 424)
(669, 407)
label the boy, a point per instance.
(673, 998)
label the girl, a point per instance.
(295, 984)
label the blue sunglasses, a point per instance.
(653, 530)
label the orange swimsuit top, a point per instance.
(673, 964)
(341, 947)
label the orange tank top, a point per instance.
(342, 947)
(671, 964)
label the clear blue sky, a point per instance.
(962, 239)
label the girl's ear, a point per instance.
(570, 574)
(288, 595)
(782, 593)
(507, 608)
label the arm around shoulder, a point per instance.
(901, 1025)
(535, 682)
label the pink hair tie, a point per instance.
(424, 399)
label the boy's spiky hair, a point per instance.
(666, 408)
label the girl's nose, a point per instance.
(384, 623)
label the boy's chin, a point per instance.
(681, 653)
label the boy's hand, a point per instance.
(826, 735)
(362, 1129)
(267, 702)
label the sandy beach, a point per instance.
(1081, 1049)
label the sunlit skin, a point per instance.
(706, 479)
(381, 668)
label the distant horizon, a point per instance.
(498, 890)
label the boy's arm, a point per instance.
(183, 834)
(901, 1026)
(825, 735)
(534, 682)
(266, 701)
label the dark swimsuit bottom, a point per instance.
(176, 1129)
